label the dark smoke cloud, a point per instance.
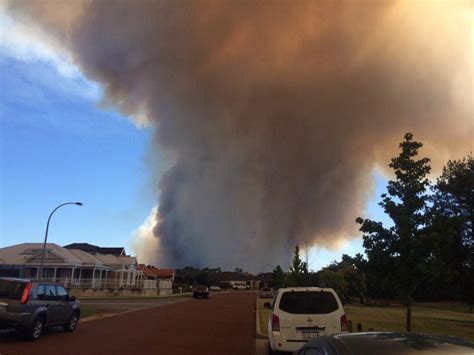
(271, 115)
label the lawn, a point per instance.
(263, 314)
(88, 311)
(138, 298)
(433, 318)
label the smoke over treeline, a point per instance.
(271, 115)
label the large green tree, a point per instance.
(406, 202)
(451, 225)
(279, 278)
(298, 275)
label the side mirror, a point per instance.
(267, 305)
(72, 298)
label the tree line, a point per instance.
(426, 254)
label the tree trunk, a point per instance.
(408, 314)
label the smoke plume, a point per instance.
(271, 115)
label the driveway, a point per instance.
(224, 324)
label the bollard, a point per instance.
(359, 327)
(349, 326)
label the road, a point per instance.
(224, 324)
(108, 307)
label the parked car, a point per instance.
(387, 343)
(215, 288)
(239, 287)
(266, 292)
(301, 314)
(201, 292)
(30, 305)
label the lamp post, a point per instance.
(40, 273)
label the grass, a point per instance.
(434, 318)
(263, 314)
(138, 298)
(88, 311)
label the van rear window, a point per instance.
(11, 290)
(308, 302)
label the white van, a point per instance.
(303, 313)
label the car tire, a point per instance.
(34, 332)
(71, 325)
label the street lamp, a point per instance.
(40, 273)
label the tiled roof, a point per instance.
(89, 248)
(152, 271)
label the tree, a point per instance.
(278, 278)
(451, 222)
(298, 271)
(334, 279)
(346, 277)
(405, 204)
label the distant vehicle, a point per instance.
(30, 305)
(239, 285)
(301, 314)
(215, 288)
(201, 292)
(386, 343)
(266, 292)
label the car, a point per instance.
(266, 292)
(300, 314)
(215, 288)
(387, 343)
(201, 291)
(239, 287)
(29, 306)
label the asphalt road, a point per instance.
(224, 324)
(107, 307)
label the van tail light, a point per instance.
(26, 293)
(275, 323)
(343, 323)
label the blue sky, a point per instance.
(58, 145)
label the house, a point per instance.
(72, 267)
(158, 278)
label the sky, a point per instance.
(249, 129)
(59, 144)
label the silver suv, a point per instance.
(31, 305)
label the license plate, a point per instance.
(309, 335)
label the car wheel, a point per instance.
(72, 324)
(36, 329)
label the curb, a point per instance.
(258, 334)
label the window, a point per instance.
(40, 293)
(50, 293)
(308, 302)
(62, 293)
(11, 290)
